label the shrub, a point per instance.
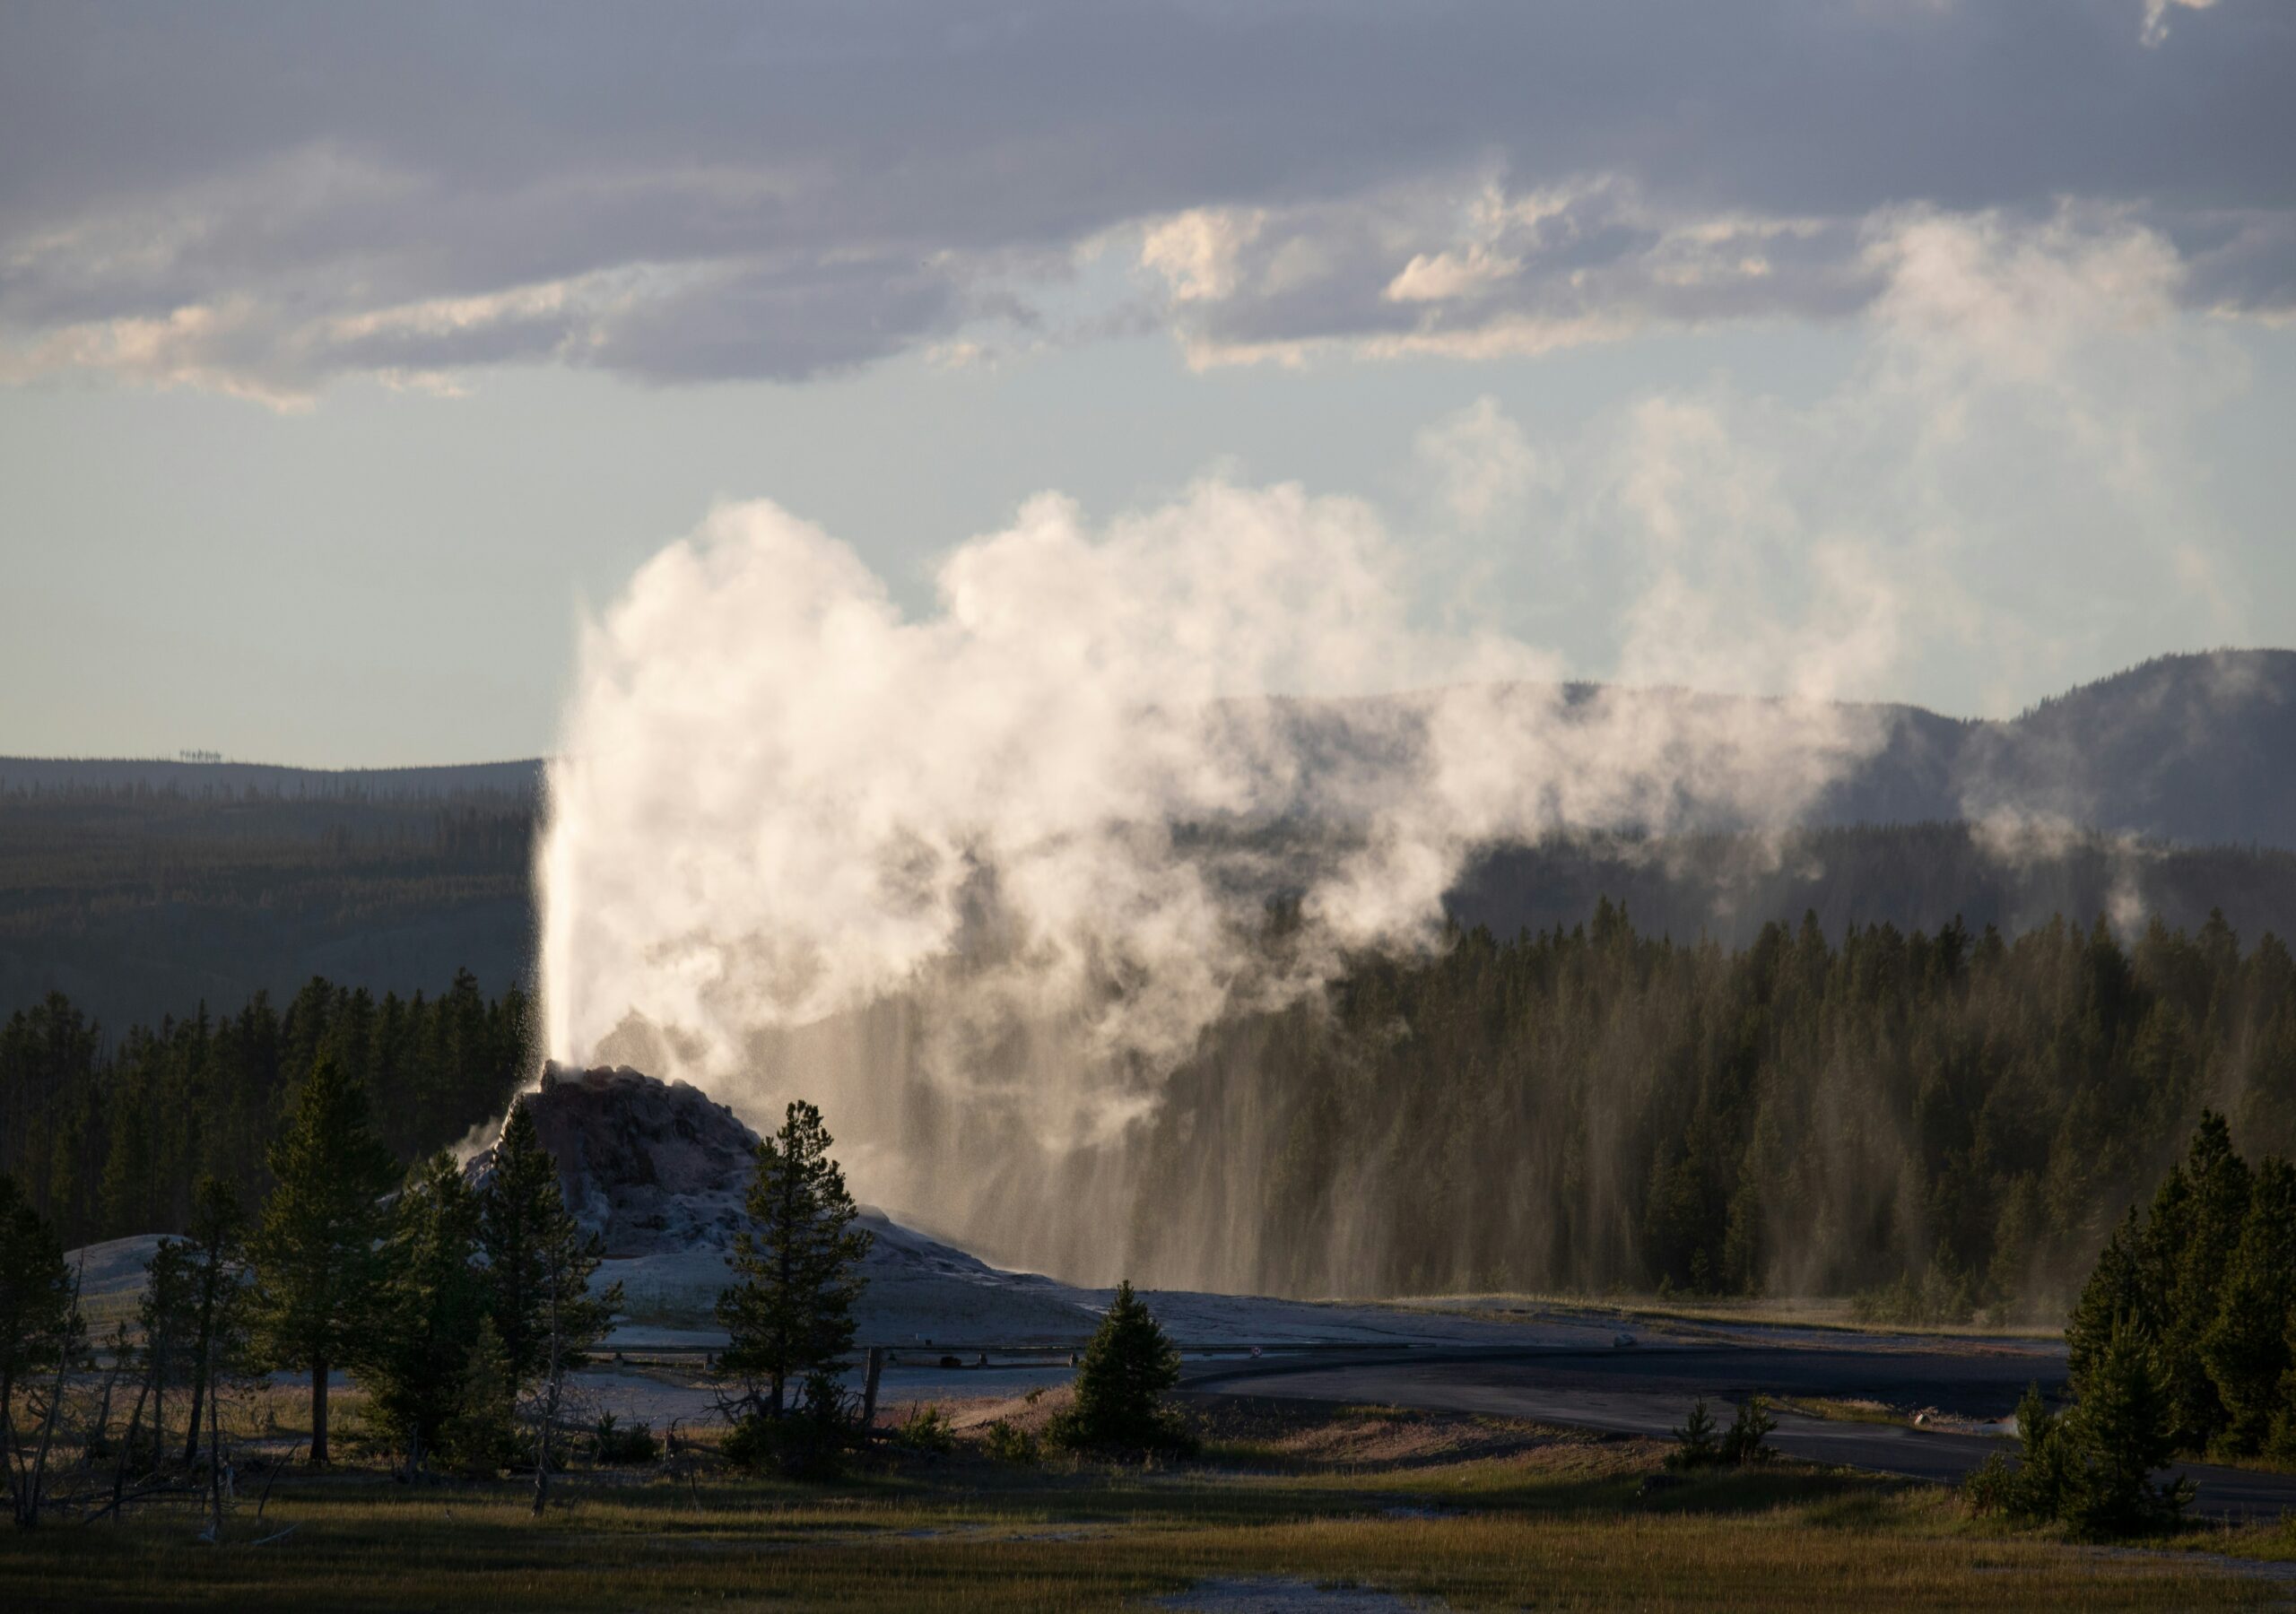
(1697, 1443)
(749, 1444)
(2032, 1490)
(615, 1446)
(2092, 1469)
(811, 1441)
(1748, 1440)
(1702, 1442)
(1010, 1444)
(1934, 1299)
(928, 1430)
(480, 1438)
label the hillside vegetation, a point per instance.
(1939, 1123)
(139, 903)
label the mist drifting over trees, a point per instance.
(1064, 896)
(1941, 1123)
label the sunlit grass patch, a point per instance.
(1835, 1409)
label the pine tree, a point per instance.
(797, 1265)
(318, 1266)
(521, 1202)
(2215, 1209)
(218, 1236)
(2041, 1475)
(1698, 1444)
(1121, 1382)
(477, 1437)
(167, 1316)
(431, 1305)
(2246, 1346)
(1747, 1440)
(2114, 1294)
(2121, 1431)
(2282, 1441)
(539, 1264)
(35, 1301)
(568, 1320)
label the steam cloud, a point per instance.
(1052, 817)
(977, 879)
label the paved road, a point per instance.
(1646, 1390)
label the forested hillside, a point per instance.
(1936, 1121)
(139, 904)
(2190, 748)
(1914, 876)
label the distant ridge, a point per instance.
(142, 888)
(229, 779)
(2196, 749)
(2199, 750)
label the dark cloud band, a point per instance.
(265, 197)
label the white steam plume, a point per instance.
(1055, 813)
(976, 879)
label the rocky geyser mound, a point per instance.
(649, 1165)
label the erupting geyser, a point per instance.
(977, 882)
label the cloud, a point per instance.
(1197, 251)
(2009, 483)
(2156, 16)
(261, 198)
(1444, 276)
(1464, 266)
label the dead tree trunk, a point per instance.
(869, 1388)
(30, 1515)
(554, 1377)
(157, 1349)
(198, 1397)
(127, 1449)
(319, 1411)
(214, 1466)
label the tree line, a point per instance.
(108, 1136)
(2204, 1278)
(1940, 1124)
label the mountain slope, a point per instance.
(141, 888)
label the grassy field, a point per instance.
(1468, 1513)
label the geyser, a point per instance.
(977, 881)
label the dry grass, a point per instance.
(1480, 1514)
(1835, 1409)
(1831, 1313)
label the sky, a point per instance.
(351, 360)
